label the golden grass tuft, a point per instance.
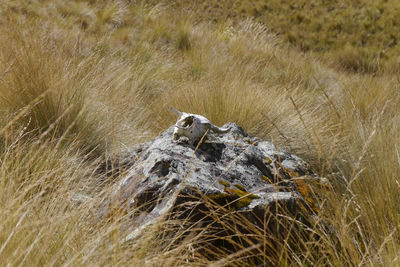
(46, 74)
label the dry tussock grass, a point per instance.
(83, 80)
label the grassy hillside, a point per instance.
(81, 80)
(357, 36)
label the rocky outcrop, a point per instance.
(244, 174)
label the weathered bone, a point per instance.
(177, 112)
(194, 126)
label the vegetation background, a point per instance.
(81, 80)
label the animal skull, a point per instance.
(194, 126)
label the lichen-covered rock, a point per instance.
(246, 174)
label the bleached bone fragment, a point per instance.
(194, 126)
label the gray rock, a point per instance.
(246, 174)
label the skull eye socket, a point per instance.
(187, 122)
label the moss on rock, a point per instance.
(224, 183)
(240, 187)
(234, 198)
